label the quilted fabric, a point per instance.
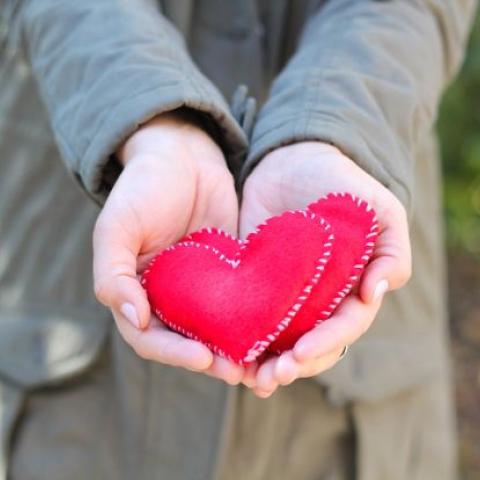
(241, 298)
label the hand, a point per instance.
(290, 178)
(174, 181)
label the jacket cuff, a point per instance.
(98, 168)
(273, 132)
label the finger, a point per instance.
(351, 320)
(265, 381)
(249, 377)
(390, 267)
(162, 345)
(263, 394)
(115, 275)
(318, 365)
(225, 370)
(287, 369)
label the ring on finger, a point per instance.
(344, 352)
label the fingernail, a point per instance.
(380, 290)
(129, 312)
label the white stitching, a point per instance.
(260, 345)
(361, 262)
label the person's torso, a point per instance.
(50, 324)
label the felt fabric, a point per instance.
(242, 298)
(355, 228)
(238, 303)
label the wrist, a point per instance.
(306, 147)
(170, 132)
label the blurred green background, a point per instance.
(459, 129)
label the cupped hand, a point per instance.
(290, 178)
(174, 181)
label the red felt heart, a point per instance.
(355, 228)
(238, 302)
(240, 298)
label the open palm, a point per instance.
(174, 181)
(290, 178)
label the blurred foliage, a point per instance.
(459, 129)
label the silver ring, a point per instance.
(344, 352)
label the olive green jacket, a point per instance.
(76, 78)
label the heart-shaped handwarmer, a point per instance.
(242, 298)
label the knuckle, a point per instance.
(107, 286)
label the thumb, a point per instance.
(115, 277)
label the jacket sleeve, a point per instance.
(104, 67)
(367, 76)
